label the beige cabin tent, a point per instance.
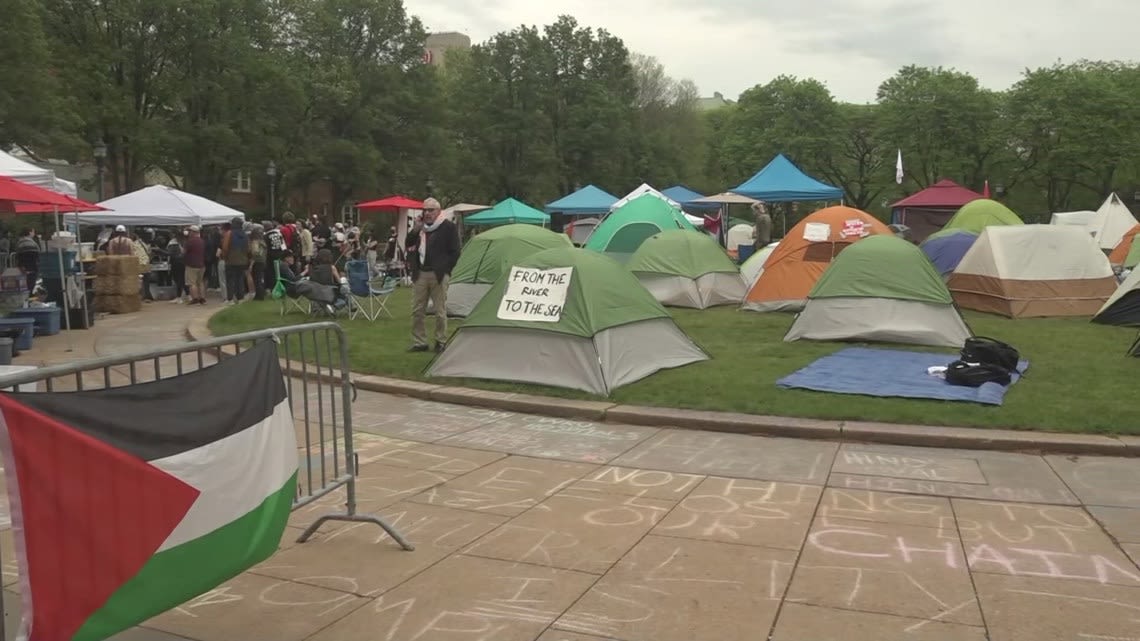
(1033, 270)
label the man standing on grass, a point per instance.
(438, 253)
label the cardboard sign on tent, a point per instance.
(1127, 251)
(979, 214)
(793, 268)
(623, 231)
(487, 255)
(1023, 271)
(881, 289)
(686, 269)
(567, 317)
(1123, 308)
(946, 248)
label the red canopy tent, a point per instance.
(21, 198)
(930, 209)
(390, 203)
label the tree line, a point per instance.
(337, 91)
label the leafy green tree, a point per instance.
(671, 144)
(33, 110)
(858, 161)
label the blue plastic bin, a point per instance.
(24, 342)
(47, 319)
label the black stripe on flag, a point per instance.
(162, 418)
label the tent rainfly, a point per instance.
(1107, 225)
(623, 231)
(686, 269)
(881, 289)
(572, 307)
(507, 212)
(781, 181)
(159, 205)
(979, 214)
(1123, 308)
(947, 247)
(929, 210)
(487, 255)
(1023, 271)
(793, 268)
(587, 200)
(26, 172)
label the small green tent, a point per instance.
(882, 288)
(625, 228)
(487, 255)
(566, 317)
(687, 269)
(507, 212)
(977, 215)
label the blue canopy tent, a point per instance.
(587, 200)
(686, 196)
(780, 181)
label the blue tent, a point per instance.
(587, 200)
(946, 248)
(781, 181)
(686, 196)
(508, 212)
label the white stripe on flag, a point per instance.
(234, 475)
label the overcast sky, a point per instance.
(851, 45)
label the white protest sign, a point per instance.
(817, 232)
(535, 294)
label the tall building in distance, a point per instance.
(438, 44)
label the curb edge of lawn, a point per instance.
(751, 424)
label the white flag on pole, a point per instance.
(899, 169)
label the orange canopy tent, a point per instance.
(803, 255)
(1120, 253)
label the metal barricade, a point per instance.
(314, 359)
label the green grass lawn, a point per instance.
(1079, 379)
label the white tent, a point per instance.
(1107, 225)
(26, 172)
(159, 205)
(740, 235)
(697, 221)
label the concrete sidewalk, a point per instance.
(533, 528)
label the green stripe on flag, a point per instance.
(175, 576)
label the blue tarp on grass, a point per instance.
(890, 373)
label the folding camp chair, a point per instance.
(369, 296)
(281, 294)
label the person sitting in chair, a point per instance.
(288, 277)
(324, 272)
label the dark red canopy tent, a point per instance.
(391, 203)
(21, 198)
(930, 209)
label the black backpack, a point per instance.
(990, 351)
(967, 375)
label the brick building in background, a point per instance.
(438, 44)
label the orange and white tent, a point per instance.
(1123, 249)
(1033, 270)
(803, 255)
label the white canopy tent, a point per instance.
(159, 205)
(26, 172)
(646, 189)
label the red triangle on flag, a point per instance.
(91, 516)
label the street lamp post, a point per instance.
(100, 153)
(429, 185)
(271, 173)
(1000, 190)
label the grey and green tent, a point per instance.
(625, 228)
(566, 317)
(881, 289)
(687, 269)
(487, 255)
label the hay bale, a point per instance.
(116, 285)
(123, 304)
(117, 266)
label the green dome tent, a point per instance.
(625, 228)
(885, 289)
(487, 255)
(570, 318)
(687, 269)
(979, 214)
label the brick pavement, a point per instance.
(542, 529)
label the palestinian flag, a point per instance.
(130, 501)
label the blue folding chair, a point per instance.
(369, 296)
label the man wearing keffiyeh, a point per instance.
(438, 253)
